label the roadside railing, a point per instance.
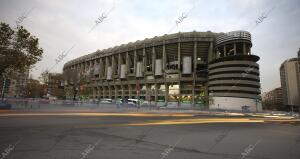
(40, 103)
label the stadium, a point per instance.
(190, 69)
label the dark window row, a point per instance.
(234, 78)
(233, 91)
(227, 72)
(234, 65)
(235, 84)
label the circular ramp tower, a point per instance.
(233, 74)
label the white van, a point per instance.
(133, 101)
(106, 100)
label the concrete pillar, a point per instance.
(113, 65)
(164, 70)
(96, 67)
(206, 91)
(96, 92)
(164, 57)
(116, 91)
(144, 59)
(179, 59)
(130, 91)
(99, 92)
(148, 92)
(103, 92)
(211, 54)
(106, 66)
(153, 69)
(138, 88)
(113, 92)
(194, 73)
(244, 49)
(166, 93)
(135, 60)
(127, 60)
(109, 91)
(224, 50)
(119, 64)
(101, 69)
(93, 92)
(156, 92)
(122, 93)
(153, 58)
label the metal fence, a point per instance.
(43, 104)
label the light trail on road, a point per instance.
(98, 114)
(179, 118)
(196, 121)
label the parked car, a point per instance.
(134, 102)
(106, 101)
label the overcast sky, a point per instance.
(61, 24)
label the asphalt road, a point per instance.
(34, 135)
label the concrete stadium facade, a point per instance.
(188, 69)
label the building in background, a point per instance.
(298, 55)
(188, 69)
(272, 100)
(290, 84)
